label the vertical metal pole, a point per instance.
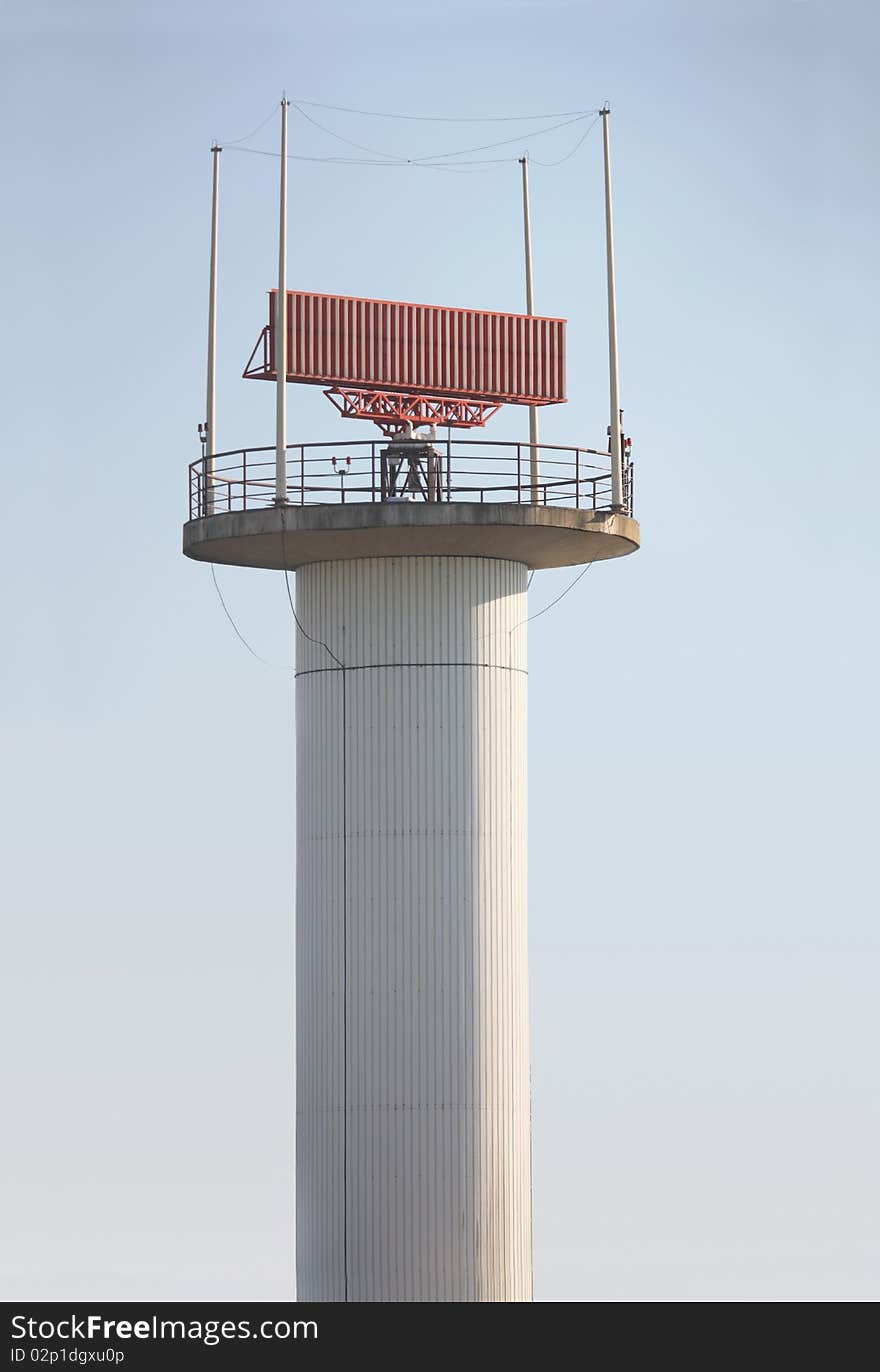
(211, 401)
(530, 309)
(448, 462)
(616, 457)
(281, 329)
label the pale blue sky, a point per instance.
(703, 741)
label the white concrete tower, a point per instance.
(413, 1057)
(412, 559)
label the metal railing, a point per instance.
(372, 471)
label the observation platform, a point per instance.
(408, 498)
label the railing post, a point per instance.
(373, 472)
(244, 479)
(577, 478)
(518, 475)
(302, 474)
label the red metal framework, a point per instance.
(393, 411)
(422, 353)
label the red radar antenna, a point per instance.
(401, 364)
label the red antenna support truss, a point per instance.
(393, 411)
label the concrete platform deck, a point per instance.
(293, 536)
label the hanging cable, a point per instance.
(231, 142)
(427, 159)
(433, 161)
(265, 661)
(296, 617)
(446, 118)
(361, 147)
(569, 587)
(502, 143)
(470, 167)
(538, 163)
(462, 168)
